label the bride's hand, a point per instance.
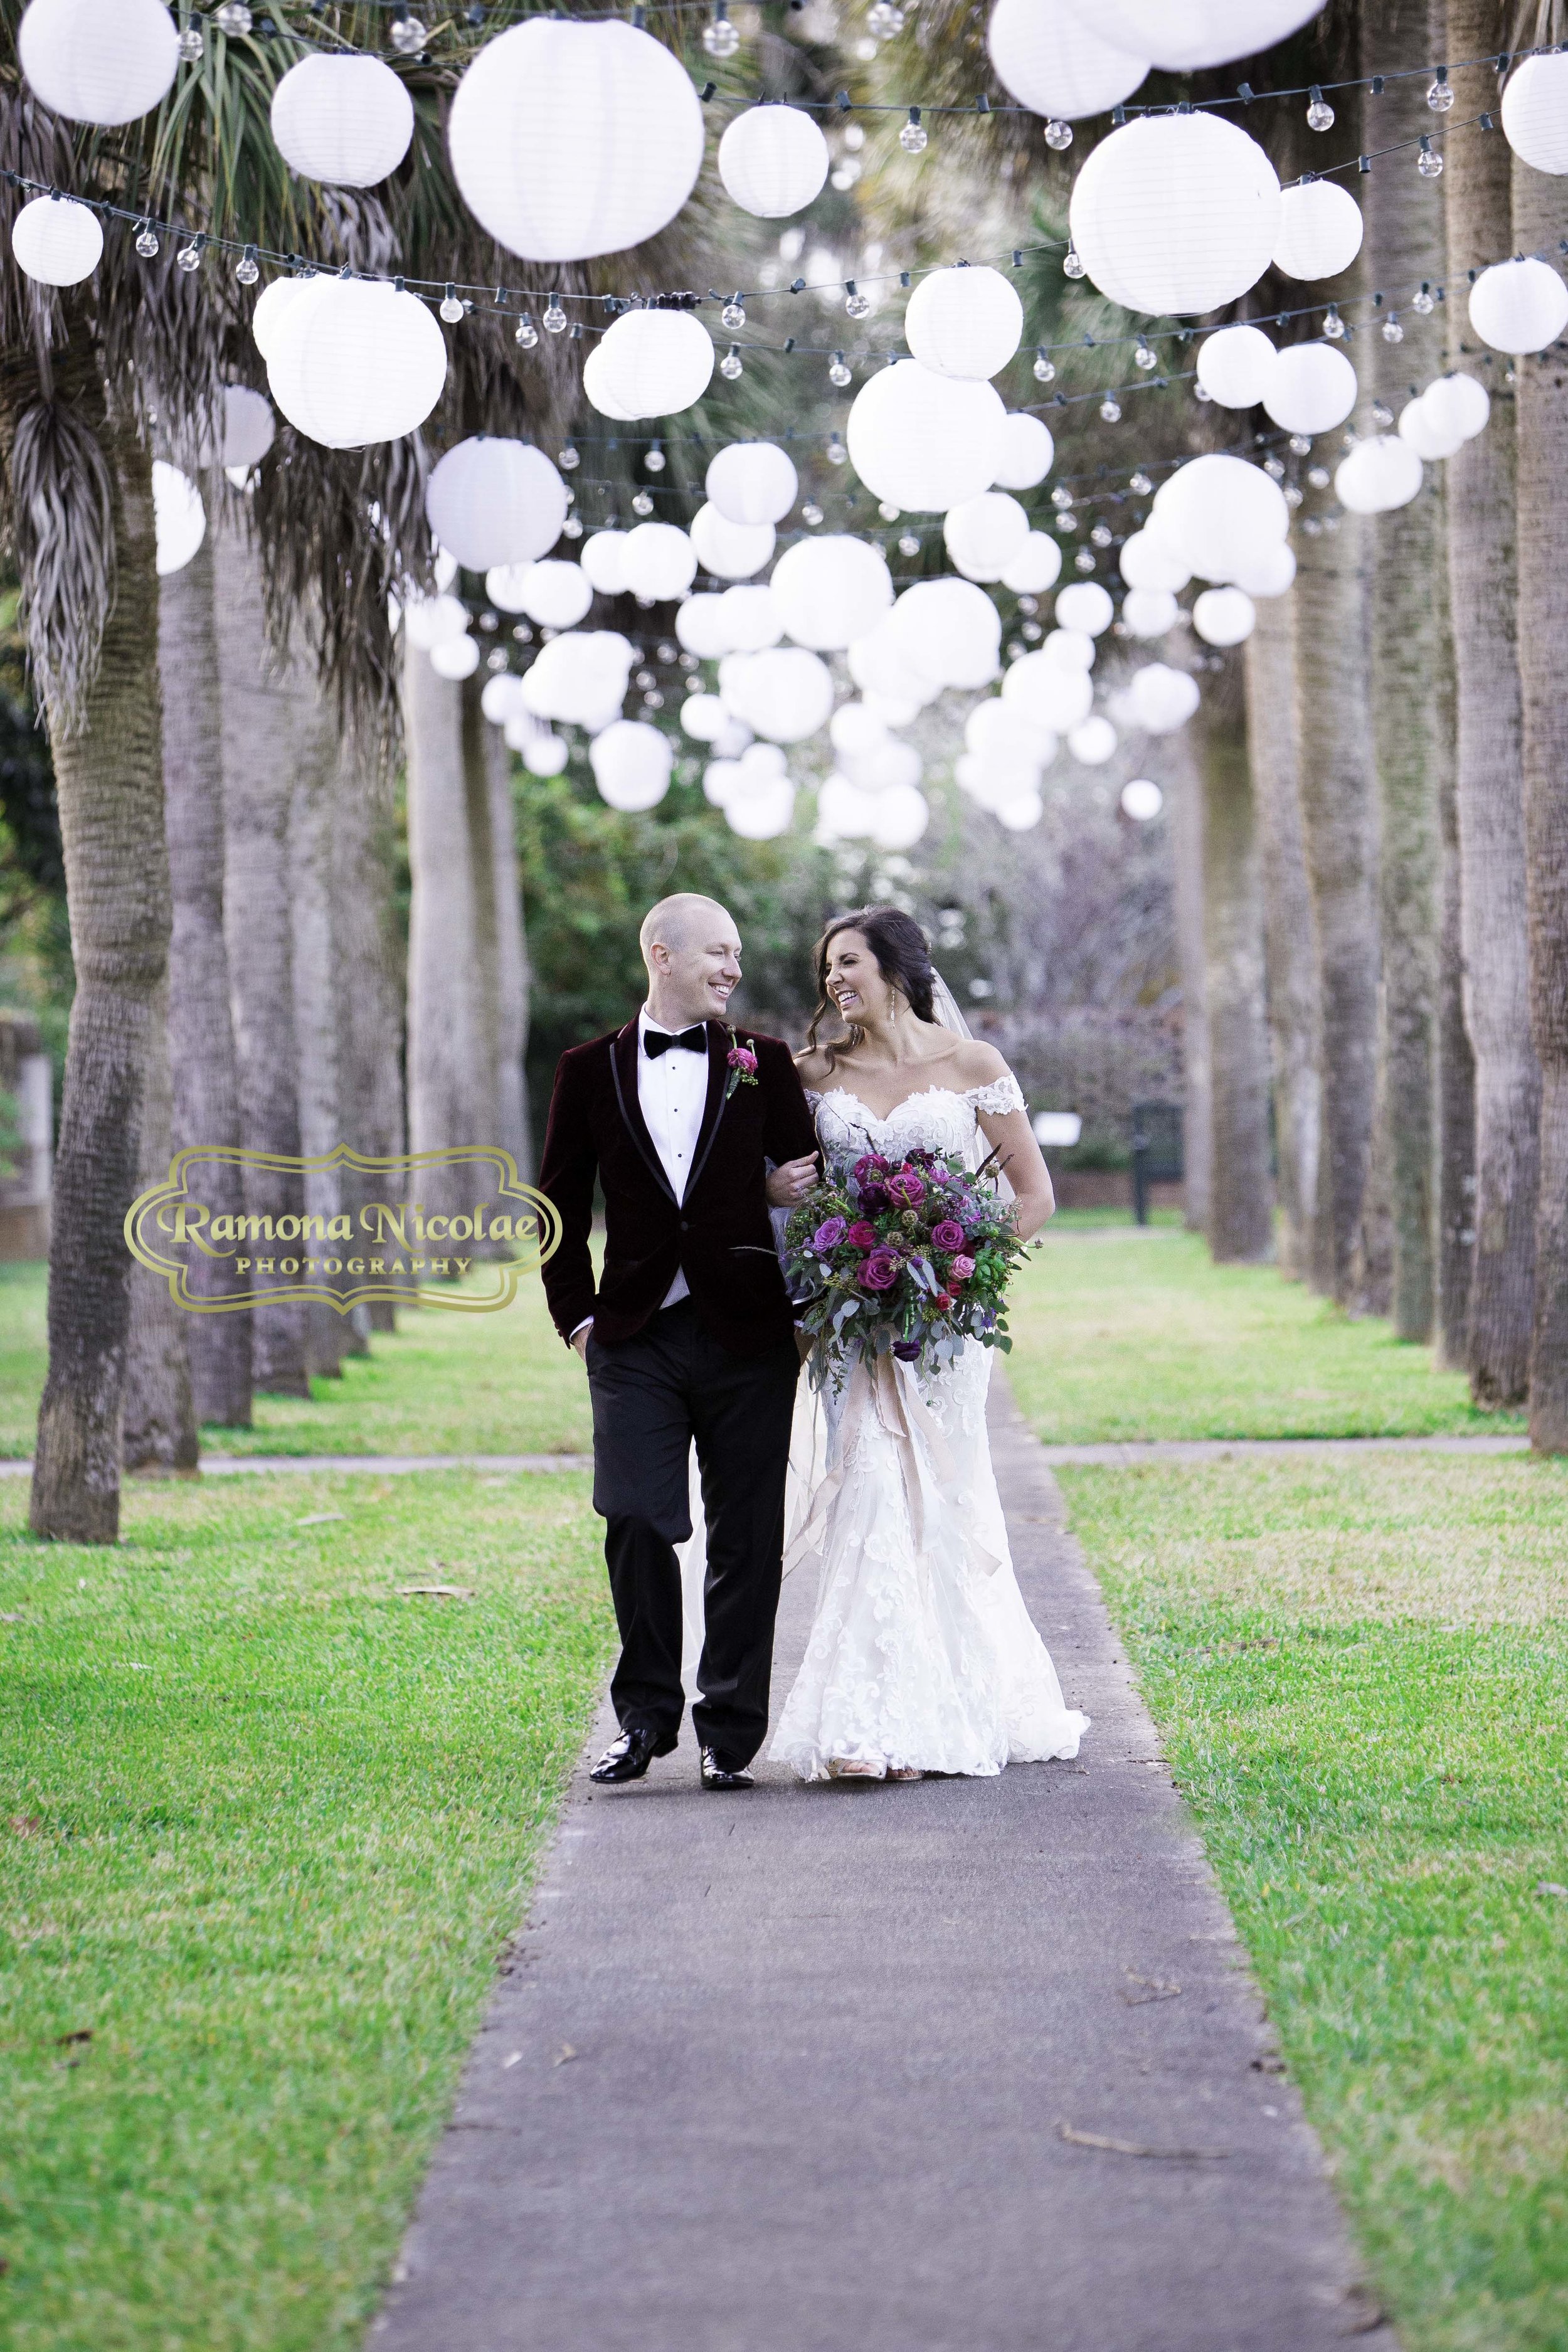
(791, 1183)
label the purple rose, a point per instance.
(873, 1197)
(880, 1270)
(830, 1232)
(961, 1269)
(907, 1350)
(862, 1234)
(948, 1236)
(906, 1190)
(870, 1165)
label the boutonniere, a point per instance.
(742, 1061)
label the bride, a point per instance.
(921, 1657)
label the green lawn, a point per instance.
(265, 1825)
(1360, 1672)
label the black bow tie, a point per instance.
(656, 1042)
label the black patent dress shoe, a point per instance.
(716, 1774)
(628, 1758)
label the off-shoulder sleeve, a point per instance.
(1003, 1094)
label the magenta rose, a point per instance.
(880, 1271)
(906, 1190)
(863, 1234)
(948, 1236)
(961, 1269)
(829, 1233)
(870, 1165)
(740, 1058)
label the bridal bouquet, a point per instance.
(910, 1257)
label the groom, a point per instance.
(689, 1334)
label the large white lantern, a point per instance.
(1047, 695)
(890, 765)
(1028, 453)
(1150, 558)
(731, 551)
(1162, 698)
(579, 675)
(704, 718)
(570, 139)
(502, 699)
(57, 241)
(699, 626)
(1223, 616)
(881, 665)
(455, 659)
(899, 816)
(856, 731)
(1175, 212)
(594, 388)
(1418, 426)
(753, 482)
(273, 305)
(1035, 567)
(604, 559)
(985, 534)
(557, 595)
(491, 500)
(1321, 230)
(179, 519)
(925, 442)
(785, 693)
(249, 426)
(1234, 365)
(1535, 112)
(545, 755)
(963, 322)
(1056, 64)
(428, 621)
(844, 813)
(1459, 405)
(651, 364)
(1220, 511)
(1069, 649)
(1378, 474)
(1312, 389)
(760, 812)
(1268, 571)
(1085, 605)
(1180, 36)
(354, 362)
(631, 762)
(1149, 612)
(1518, 306)
(347, 120)
(659, 562)
(104, 61)
(828, 592)
(948, 631)
(773, 161)
(1003, 734)
(750, 618)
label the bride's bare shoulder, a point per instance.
(977, 1063)
(814, 1069)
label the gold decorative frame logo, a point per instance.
(377, 1250)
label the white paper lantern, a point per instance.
(1223, 616)
(750, 619)
(651, 364)
(880, 664)
(179, 518)
(704, 718)
(273, 306)
(1050, 698)
(1312, 389)
(1021, 815)
(891, 764)
(427, 621)
(1268, 571)
(455, 659)
(631, 763)
(720, 779)
(1378, 474)
(1149, 612)
(924, 442)
(963, 322)
(595, 391)
(1418, 426)
(570, 139)
(579, 675)
(854, 731)
(502, 699)
(753, 482)
(506, 586)
(948, 631)
(249, 428)
(346, 121)
(1180, 36)
(104, 61)
(986, 535)
(494, 501)
(735, 740)
(354, 362)
(785, 693)
(1056, 65)
(1035, 567)
(994, 782)
(763, 814)
(1162, 699)
(1085, 605)
(1321, 230)
(1027, 453)
(1234, 365)
(1142, 799)
(898, 817)
(773, 161)
(57, 241)
(659, 562)
(1459, 405)
(844, 813)
(1535, 112)
(1151, 558)
(1069, 649)
(1220, 511)
(603, 559)
(699, 626)
(557, 595)
(828, 592)
(1518, 306)
(546, 755)
(1175, 212)
(1092, 743)
(731, 551)
(1002, 734)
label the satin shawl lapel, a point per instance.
(713, 1109)
(623, 1072)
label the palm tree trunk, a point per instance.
(1542, 411)
(201, 1030)
(1184, 787)
(1241, 1190)
(316, 890)
(1455, 1061)
(370, 1067)
(1483, 575)
(158, 1424)
(448, 1063)
(511, 958)
(1291, 966)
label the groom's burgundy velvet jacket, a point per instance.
(720, 1234)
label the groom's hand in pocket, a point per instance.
(790, 1183)
(580, 1339)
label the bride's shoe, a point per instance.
(850, 1768)
(905, 1772)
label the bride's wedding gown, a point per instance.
(922, 1654)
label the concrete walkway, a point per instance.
(957, 2066)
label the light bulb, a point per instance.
(1044, 368)
(719, 38)
(1424, 303)
(1109, 411)
(837, 452)
(1381, 414)
(1031, 633)
(234, 16)
(189, 258)
(883, 19)
(856, 305)
(146, 243)
(1084, 558)
(1140, 485)
(1143, 357)
(570, 459)
(913, 137)
(1275, 468)
(496, 661)
(1334, 326)
(523, 635)
(654, 460)
(1029, 604)
(246, 269)
(571, 528)
(1071, 265)
(642, 504)
(1061, 496)
(909, 545)
(1067, 520)
(653, 700)
(1319, 113)
(1429, 163)
(191, 45)
(811, 513)
(1058, 135)
(1393, 333)
(1300, 443)
(733, 313)
(555, 317)
(730, 365)
(1201, 391)
(1318, 477)
(663, 651)
(1101, 534)
(837, 372)
(525, 332)
(644, 678)
(451, 309)
(848, 172)
(408, 35)
(1292, 494)
(1440, 96)
(1015, 649)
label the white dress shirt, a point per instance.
(672, 1094)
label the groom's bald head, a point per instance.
(692, 951)
(676, 921)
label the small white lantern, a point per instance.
(1535, 112)
(179, 518)
(428, 621)
(1321, 230)
(570, 140)
(963, 322)
(753, 482)
(763, 812)
(651, 364)
(1312, 389)
(1163, 699)
(1142, 799)
(1378, 474)
(604, 559)
(545, 755)
(557, 595)
(1223, 616)
(898, 817)
(1220, 510)
(1021, 813)
(57, 241)
(854, 731)
(922, 441)
(1518, 306)
(595, 391)
(948, 631)
(631, 762)
(1049, 697)
(1420, 428)
(354, 362)
(272, 307)
(578, 676)
(1181, 36)
(880, 666)
(785, 693)
(249, 426)
(1151, 558)
(345, 121)
(506, 586)
(773, 161)
(1149, 612)
(1028, 453)
(1268, 570)
(1175, 212)
(1092, 743)
(455, 659)
(828, 592)
(1035, 567)
(731, 551)
(660, 561)
(891, 764)
(1002, 734)
(1459, 405)
(492, 501)
(750, 619)
(701, 628)
(720, 779)
(986, 535)
(1235, 367)
(704, 718)
(1056, 64)
(1087, 606)
(844, 813)
(501, 699)
(107, 61)
(1069, 649)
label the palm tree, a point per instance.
(370, 1041)
(1240, 1215)
(1184, 787)
(450, 1081)
(158, 1424)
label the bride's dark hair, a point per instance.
(903, 958)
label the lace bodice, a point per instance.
(935, 1120)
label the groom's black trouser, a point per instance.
(652, 1396)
